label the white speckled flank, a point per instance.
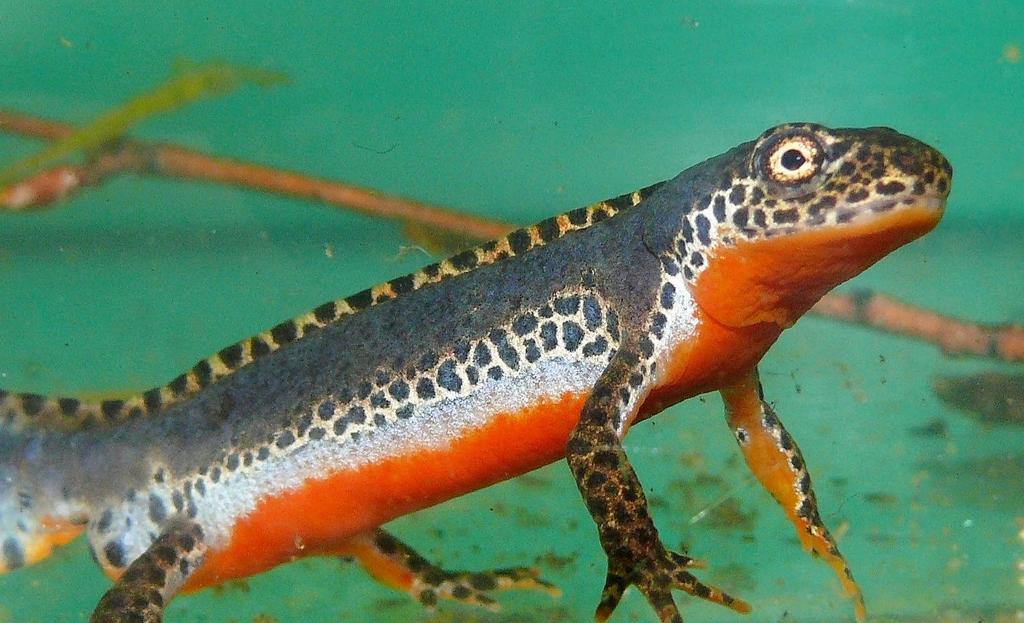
(566, 346)
(682, 321)
(434, 425)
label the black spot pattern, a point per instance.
(114, 553)
(447, 377)
(110, 408)
(572, 335)
(285, 332)
(325, 313)
(597, 347)
(13, 555)
(425, 389)
(524, 324)
(157, 509)
(399, 390)
(549, 335)
(703, 229)
(592, 313)
(482, 354)
(152, 399)
(203, 373)
(32, 404)
(519, 241)
(567, 305)
(68, 406)
(506, 352)
(464, 261)
(179, 385)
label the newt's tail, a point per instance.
(36, 514)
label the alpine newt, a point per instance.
(548, 343)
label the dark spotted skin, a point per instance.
(609, 287)
(28, 410)
(432, 583)
(152, 579)
(615, 498)
(13, 553)
(859, 175)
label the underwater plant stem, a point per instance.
(954, 336)
(175, 161)
(170, 160)
(12, 122)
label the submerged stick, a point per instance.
(956, 337)
(166, 160)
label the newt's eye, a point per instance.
(793, 159)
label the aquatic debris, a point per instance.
(881, 499)
(1011, 54)
(552, 560)
(986, 483)
(989, 397)
(189, 83)
(935, 427)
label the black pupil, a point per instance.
(793, 159)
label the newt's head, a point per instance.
(802, 209)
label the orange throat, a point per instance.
(777, 279)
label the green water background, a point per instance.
(519, 112)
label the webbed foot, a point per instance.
(656, 575)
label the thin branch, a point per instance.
(954, 336)
(129, 156)
(13, 122)
(179, 162)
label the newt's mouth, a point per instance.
(935, 203)
(906, 220)
(779, 278)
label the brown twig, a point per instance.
(176, 161)
(45, 188)
(53, 185)
(33, 127)
(954, 336)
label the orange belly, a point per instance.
(320, 516)
(715, 357)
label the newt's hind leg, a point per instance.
(397, 565)
(149, 583)
(775, 459)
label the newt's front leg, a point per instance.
(615, 498)
(776, 461)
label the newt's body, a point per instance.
(551, 342)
